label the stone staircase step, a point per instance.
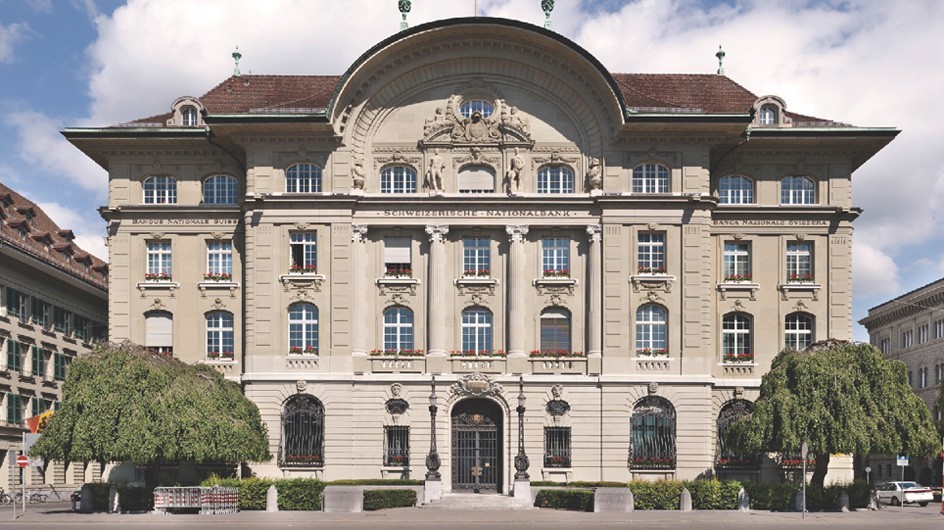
(471, 501)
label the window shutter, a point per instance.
(159, 330)
(397, 250)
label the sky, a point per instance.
(871, 63)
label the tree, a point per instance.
(125, 403)
(839, 397)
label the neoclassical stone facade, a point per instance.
(479, 201)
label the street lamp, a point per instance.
(432, 459)
(521, 461)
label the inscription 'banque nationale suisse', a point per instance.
(478, 213)
(184, 221)
(752, 222)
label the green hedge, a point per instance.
(782, 497)
(100, 492)
(376, 482)
(135, 498)
(575, 499)
(768, 496)
(299, 494)
(294, 493)
(251, 491)
(713, 494)
(382, 499)
(578, 484)
(659, 495)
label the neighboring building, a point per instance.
(53, 306)
(479, 199)
(910, 329)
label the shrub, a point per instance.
(299, 493)
(659, 495)
(382, 499)
(135, 498)
(577, 500)
(713, 494)
(100, 492)
(251, 491)
(376, 482)
(775, 497)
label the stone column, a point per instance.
(517, 280)
(436, 302)
(361, 287)
(594, 321)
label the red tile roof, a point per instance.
(14, 209)
(700, 93)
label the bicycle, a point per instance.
(5, 497)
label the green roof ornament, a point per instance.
(405, 6)
(720, 56)
(236, 57)
(547, 6)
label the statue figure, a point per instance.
(513, 175)
(434, 173)
(358, 175)
(516, 121)
(433, 123)
(595, 175)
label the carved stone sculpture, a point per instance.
(434, 173)
(595, 175)
(358, 175)
(512, 180)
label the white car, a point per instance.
(898, 493)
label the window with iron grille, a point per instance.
(557, 447)
(302, 432)
(728, 457)
(396, 445)
(652, 434)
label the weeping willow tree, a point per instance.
(125, 403)
(839, 397)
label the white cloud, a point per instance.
(874, 273)
(89, 234)
(43, 6)
(10, 35)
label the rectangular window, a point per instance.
(396, 445)
(81, 325)
(737, 262)
(60, 366)
(883, 346)
(907, 338)
(18, 304)
(158, 261)
(555, 256)
(651, 253)
(476, 257)
(40, 315)
(799, 262)
(303, 247)
(939, 329)
(922, 334)
(14, 357)
(924, 377)
(398, 256)
(14, 409)
(40, 405)
(557, 447)
(62, 320)
(38, 362)
(219, 261)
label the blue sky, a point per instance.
(866, 62)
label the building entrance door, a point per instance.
(476, 446)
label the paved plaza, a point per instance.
(58, 515)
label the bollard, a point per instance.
(113, 505)
(272, 499)
(843, 501)
(630, 501)
(873, 501)
(744, 501)
(685, 500)
(798, 503)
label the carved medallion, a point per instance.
(475, 385)
(396, 406)
(557, 407)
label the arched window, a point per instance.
(652, 434)
(468, 107)
(768, 115)
(650, 178)
(727, 458)
(188, 115)
(735, 189)
(398, 179)
(219, 336)
(160, 189)
(476, 179)
(398, 329)
(477, 330)
(555, 179)
(303, 329)
(736, 338)
(159, 332)
(797, 190)
(651, 331)
(303, 178)
(555, 330)
(302, 432)
(798, 331)
(220, 189)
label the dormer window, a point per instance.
(770, 111)
(768, 115)
(188, 115)
(186, 112)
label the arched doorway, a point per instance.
(477, 446)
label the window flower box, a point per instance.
(302, 269)
(738, 462)
(652, 462)
(477, 273)
(303, 350)
(398, 460)
(645, 269)
(397, 353)
(477, 353)
(158, 277)
(796, 462)
(743, 357)
(217, 277)
(398, 271)
(556, 461)
(220, 356)
(303, 460)
(557, 273)
(652, 352)
(558, 354)
(800, 278)
(737, 278)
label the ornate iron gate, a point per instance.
(476, 447)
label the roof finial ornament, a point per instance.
(236, 57)
(547, 6)
(404, 6)
(720, 56)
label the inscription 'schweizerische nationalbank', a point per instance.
(478, 213)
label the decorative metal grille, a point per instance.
(652, 434)
(727, 458)
(396, 445)
(476, 449)
(557, 447)
(302, 432)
